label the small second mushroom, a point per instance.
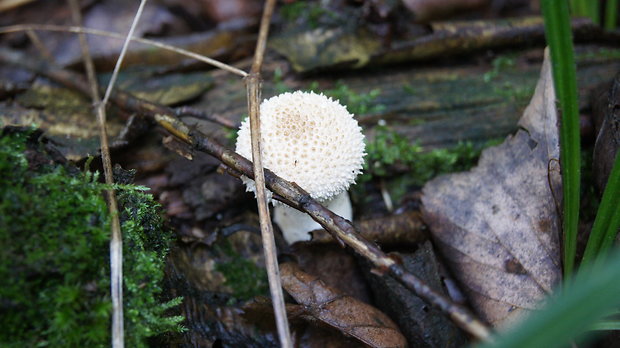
(312, 140)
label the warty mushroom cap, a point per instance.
(309, 139)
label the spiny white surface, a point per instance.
(296, 225)
(309, 139)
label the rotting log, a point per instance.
(434, 106)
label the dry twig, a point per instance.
(269, 244)
(116, 240)
(74, 29)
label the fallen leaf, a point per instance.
(65, 117)
(319, 337)
(608, 133)
(345, 313)
(428, 10)
(170, 89)
(258, 312)
(115, 16)
(337, 267)
(497, 225)
(231, 10)
(203, 190)
(68, 119)
(320, 48)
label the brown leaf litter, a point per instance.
(498, 225)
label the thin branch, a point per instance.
(76, 29)
(263, 32)
(116, 240)
(36, 41)
(89, 66)
(341, 229)
(119, 61)
(253, 81)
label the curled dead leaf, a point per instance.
(345, 313)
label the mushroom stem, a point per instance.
(296, 225)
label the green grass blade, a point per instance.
(586, 8)
(607, 219)
(605, 325)
(611, 14)
(612, 189)
(559, 39)
(592, 296)
(578, 7)
(594, 11)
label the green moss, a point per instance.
(278, 82)
(408, 88)
(515, 92)
(500, 63)
(357, 103)
(302, 12)
(54, 266)
(597, 54)
(390, 154)
(508, 85)
(245, 278)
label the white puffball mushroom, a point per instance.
(312, 140)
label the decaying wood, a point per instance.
(400, 229)
(355, 46)
(340, 228)
(424, 327)
(454, 38)
(435, 107)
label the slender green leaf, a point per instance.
(592, 295)
(585, 8)
(594, 11)
(578, 7)
(611, 14)
(605, 325)
(607, 219)
(612, 189)
(559, 39)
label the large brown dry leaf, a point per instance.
(345, 313)
(497, 224)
